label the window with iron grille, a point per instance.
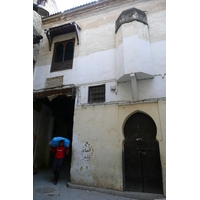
(96, 94)
(63, 55)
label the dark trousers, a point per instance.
(57, 164)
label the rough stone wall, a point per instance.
(51, 6)
(36, 48)
(37, 26)
(37, 22)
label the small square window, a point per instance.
(96, 94)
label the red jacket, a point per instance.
(60, 152)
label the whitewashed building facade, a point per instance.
(100, 80)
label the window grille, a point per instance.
(96, 94)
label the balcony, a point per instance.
(133, 50)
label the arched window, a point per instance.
(69, 51)
(63, 55)
(59, 53)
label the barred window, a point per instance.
(96, 94)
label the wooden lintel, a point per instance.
(43, 94)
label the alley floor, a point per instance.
(44, 189)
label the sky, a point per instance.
(66, 4)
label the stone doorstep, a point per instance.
(135, 195)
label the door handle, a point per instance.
(139, 139)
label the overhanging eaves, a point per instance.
(63, 29)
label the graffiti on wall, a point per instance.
(87, 152)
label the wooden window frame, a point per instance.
(64, 65)
(89, 91)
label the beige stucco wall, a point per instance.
(102, 127)
(98, 126)
(162, 113)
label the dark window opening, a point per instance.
(59, 53)
(96, 94)
(69, 50)
(63, 55)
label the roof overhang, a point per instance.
(62, 29)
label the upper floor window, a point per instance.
(63, 55)
(96, 94)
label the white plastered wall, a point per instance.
(95, 57)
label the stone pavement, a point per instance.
(44, 189)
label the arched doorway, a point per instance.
(142, 167)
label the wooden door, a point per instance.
(141, 155)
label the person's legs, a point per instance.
(59, 165)
(55, 163)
